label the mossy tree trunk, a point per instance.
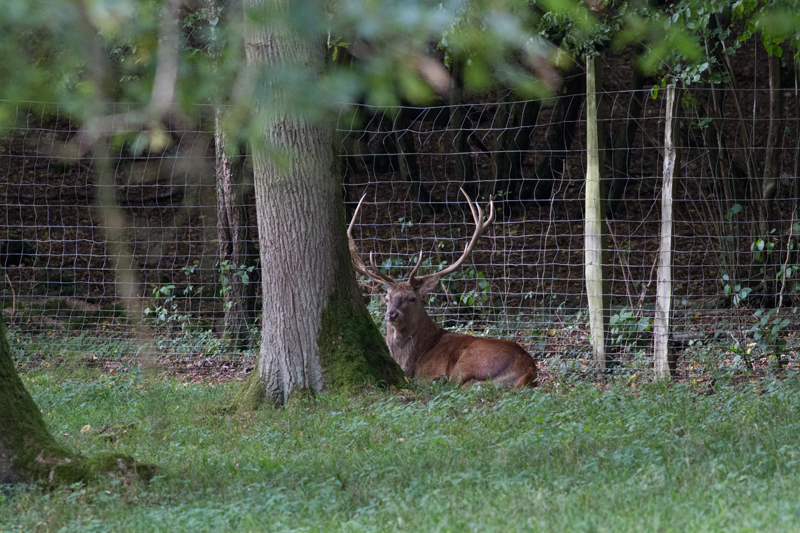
(316, 331)
(29, 453)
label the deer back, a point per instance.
(466, 359)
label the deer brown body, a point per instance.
(425, 350)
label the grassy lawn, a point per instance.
(575, 457)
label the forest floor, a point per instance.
(627, 455)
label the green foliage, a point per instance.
(228, 271)
(786, 275)
(178, 332)
(686, 40)
(164, 309)
(736, 291)
(769, 339)
(47, 48)
(629, 330)
(470, 287)
(766, 332)
(27, 348)
(621, 457)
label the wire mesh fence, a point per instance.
(734, 245)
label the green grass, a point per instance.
(634, 457)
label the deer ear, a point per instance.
(427, 285)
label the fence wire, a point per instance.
(736, 200)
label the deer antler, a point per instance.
(355, 256)
(480, 227)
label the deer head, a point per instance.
(404, 302)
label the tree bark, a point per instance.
(769, 182)
(316, 332)
(29, 453)
(233, 235)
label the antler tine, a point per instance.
(355, 215)
(372, 262)
(480, 227)
(355, 256)
(476, 216)
(384, 278)
(416, 267)
(491, 212)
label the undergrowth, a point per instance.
(575, 456)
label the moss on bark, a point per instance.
(352, 354)
(252, 395)
(29, 453)
(351, 350)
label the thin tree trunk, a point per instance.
(316, 331)
(407, 159)
(458, 121)
(233, 238)
(558, 138)
(502, 162)
(620, 163)
(513, 141)
(528, 115)
(795, 179)
(769, 182)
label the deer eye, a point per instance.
(413, 299)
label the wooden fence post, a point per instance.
(595, 227)
(664, 282)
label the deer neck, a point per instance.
(407, 346)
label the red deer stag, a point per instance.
(425, 350)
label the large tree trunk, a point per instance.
(29, 453)
(316, 331)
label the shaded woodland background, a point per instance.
(525, 279)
